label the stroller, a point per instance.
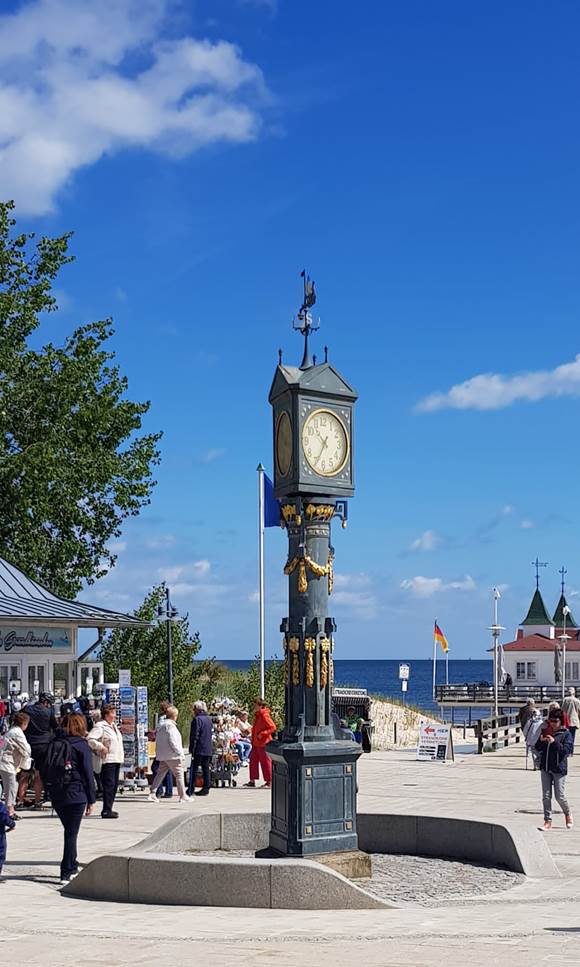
(224, 768)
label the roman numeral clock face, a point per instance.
(325, 442)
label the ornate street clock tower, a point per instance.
(314, 770)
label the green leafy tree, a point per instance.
(144, 651)
(245, 688)
(72, 467)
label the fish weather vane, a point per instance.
(304, 318)
(538, 564)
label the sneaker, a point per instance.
(111, 815)
(152, 798)
(266, 785)
(569, 822)
(547, 825)
(250, 785)
(185, 798)
(202, 792)
(67, 879)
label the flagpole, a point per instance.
(447, 666)
(434, 658)
(260, 470)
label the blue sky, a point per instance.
(422, 161)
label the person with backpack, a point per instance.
(106, 740)
(40, 731)
(68, 776)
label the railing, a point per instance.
(496, 733)
(482, 694)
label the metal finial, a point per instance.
(538, 564)
(279, 357)
(563, 572)
(326, 354)
(304, 318)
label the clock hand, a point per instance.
(324, 443)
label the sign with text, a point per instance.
(435, 742)
(404, 672)
(17, 640)
(124, 676)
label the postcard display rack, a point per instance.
(131, 712)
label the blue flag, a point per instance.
(271, 505)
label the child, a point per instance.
(554, 747)
(6, 823)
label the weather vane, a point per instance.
(538, 564)
(303, 322)
(563, 571)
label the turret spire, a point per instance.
(304, 318)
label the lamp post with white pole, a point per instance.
(564, 638)
(496, 630)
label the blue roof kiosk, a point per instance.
(39, 638)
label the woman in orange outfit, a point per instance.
(263, 728)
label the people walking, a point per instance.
(200, 746)
(532, 731)
(40, 732)
(571, 706)
(170, 755)
(526, 712)
(15, 755)
(165, 790)
(69, 775)
(554, 747)
(106, 740)
(263, 728)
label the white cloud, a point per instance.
(428, 541)
(526, 524)
(82, 79)
(214, 454)
(161, 541)
(422, 587)
(193, 570)
(363, 604)
(492, 391)
(351, 581)
(115, 547)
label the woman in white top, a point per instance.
(106, 740)
(170, 754)
(15, 755)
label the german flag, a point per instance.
(441, 639)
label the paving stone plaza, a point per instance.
(534, 918)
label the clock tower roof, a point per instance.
(322, 380)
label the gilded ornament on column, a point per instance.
(294, 646)
(330, 571)
(309, 648)
(324, 655)
(320, 511)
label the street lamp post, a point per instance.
(564, 638)
(496, 630)
(166, 612)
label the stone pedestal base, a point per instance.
(313, 797)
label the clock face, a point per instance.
(283, 443)
(325, 442)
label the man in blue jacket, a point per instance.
(200, 746)
(554, 747)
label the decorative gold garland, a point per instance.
(309, 648)
(294, 646)
(320, 511)
(318, 570)
(325, 649)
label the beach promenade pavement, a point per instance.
(537, 921)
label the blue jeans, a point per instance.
(243, 748)
(166, 787)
